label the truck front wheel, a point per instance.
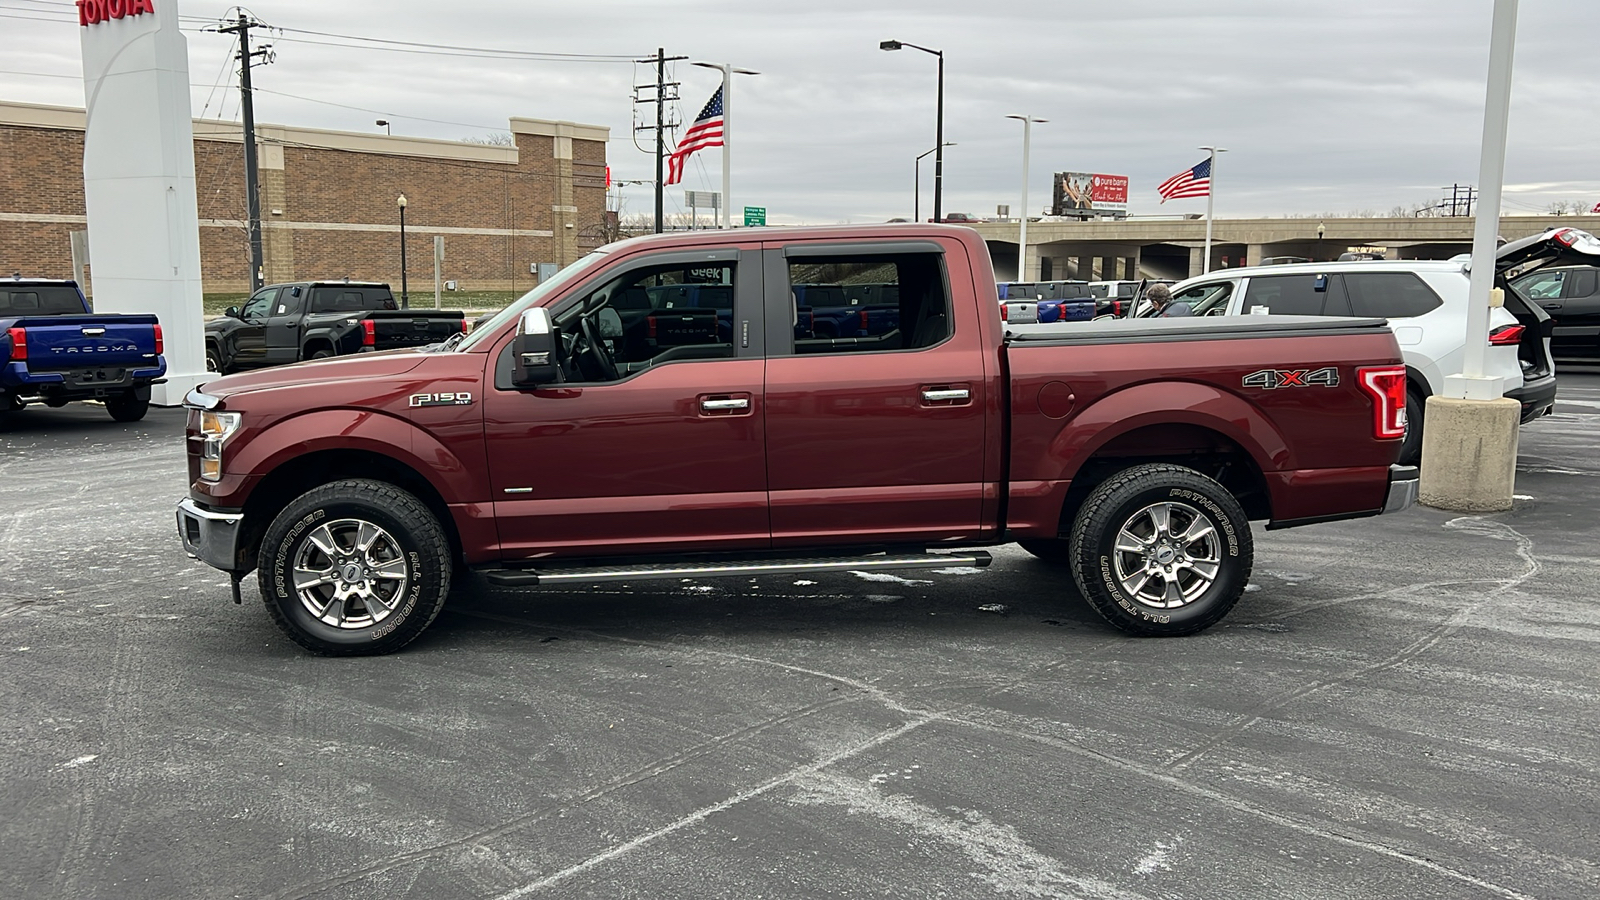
(1161, 550)
(355, 568)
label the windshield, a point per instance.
(532, 298)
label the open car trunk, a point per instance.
(1558, 246)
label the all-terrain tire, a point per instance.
(372, 599)
(1416, 412)
(214, 360)
(1195, 568)
(128, 407)
(320, 353)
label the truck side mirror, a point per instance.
(533, 350)
(232, 312)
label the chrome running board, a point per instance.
(598, 574)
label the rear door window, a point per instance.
(1585, 283)
(863, 304)
(1296, 295)
(1389, 295)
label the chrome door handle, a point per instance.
(715, 405)
(950, 394)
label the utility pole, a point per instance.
(660, 100)
(251, 170)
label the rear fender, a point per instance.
(1164, 403)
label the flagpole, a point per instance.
(728, 71)
(727, 145)
(1211, 193)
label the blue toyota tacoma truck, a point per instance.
(55, 349)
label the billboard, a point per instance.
(1081, 192)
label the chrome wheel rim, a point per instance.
(1167, 555)
(350, 573)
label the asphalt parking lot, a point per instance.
(1399, 707)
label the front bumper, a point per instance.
(1403, 482)
(1537, 399)
(210, 536)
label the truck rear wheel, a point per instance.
(128, 407)
(355, 568)
(1161, 550)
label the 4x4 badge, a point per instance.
(1272, 379)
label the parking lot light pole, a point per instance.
(1022, 220)
(938, 132)
(916, 182)
(405, 295)
(728, 71)
(1469, 444)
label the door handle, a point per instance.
(935, 396)
(720, 405)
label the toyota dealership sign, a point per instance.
(93, 12)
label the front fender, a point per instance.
(261, 452)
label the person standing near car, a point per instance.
(1161, 300)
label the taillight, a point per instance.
(1387, 385)
(651, 322)
(369, 333)
(161, 342)
(1005, 313)
(1565, 236)
(19, 344)
(863, 320)
(1506, 336)
(463, 326)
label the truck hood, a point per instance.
(323, 371)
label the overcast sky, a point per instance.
(1326, 107)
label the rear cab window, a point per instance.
(39, 300)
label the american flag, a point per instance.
(705, 132)
(1195, 182)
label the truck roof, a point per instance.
(842, 233)
(18, 279)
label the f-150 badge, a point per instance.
(446, 399)
(1272, 379)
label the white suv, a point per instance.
(1426, 305)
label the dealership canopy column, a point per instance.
(138, 177)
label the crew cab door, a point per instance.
(250, 337)
(283, 326)
(666, 453)
(876, 438)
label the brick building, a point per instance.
(328, 201)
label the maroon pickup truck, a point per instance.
(583, 435)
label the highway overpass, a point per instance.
(1172, 248)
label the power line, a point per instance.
(513, 54)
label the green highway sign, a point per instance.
(755, 215)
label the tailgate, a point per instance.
(394, 329)
(57, 343)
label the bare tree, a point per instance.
(492, 139)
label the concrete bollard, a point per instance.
(1469, 454)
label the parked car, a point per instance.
(959, 218)
(854, 310)
(286, 323)
(1133, 453)
(1571, 296)
(1031, 302)
(1426, 303)
(55, 349)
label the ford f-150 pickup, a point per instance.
(545, 449)
(285, 323)
(54, 349)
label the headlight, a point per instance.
(215, 427)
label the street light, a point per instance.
(405, 295)
(916, 187)
(938, 137)
(1022, 220)
(385, 124)
(728, 71)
